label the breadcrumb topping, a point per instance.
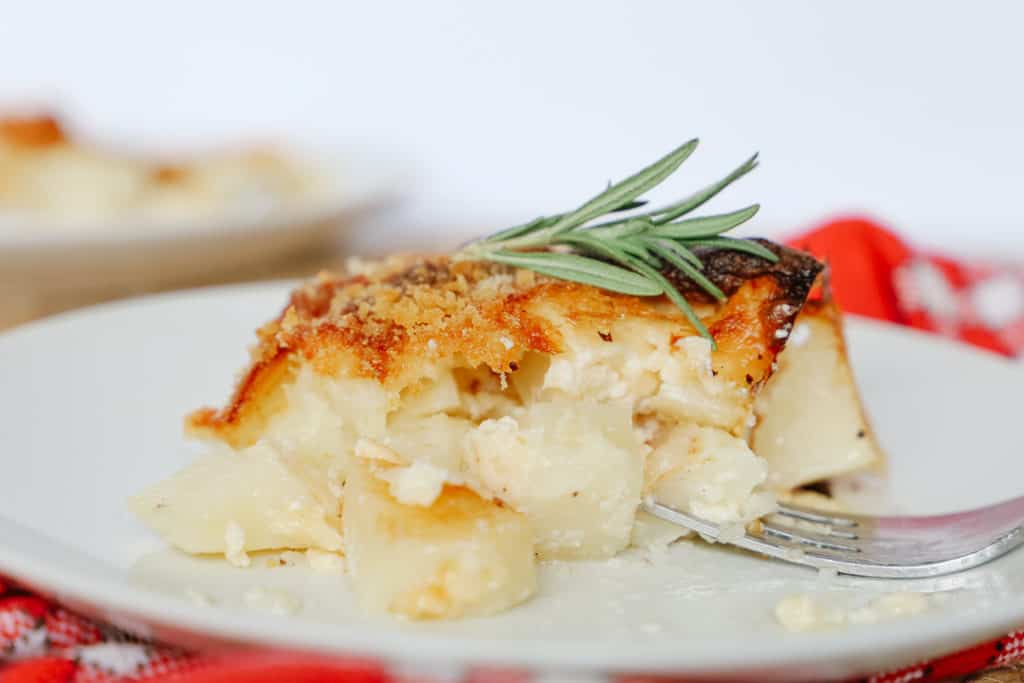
(388, 320)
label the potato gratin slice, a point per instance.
(446, 425)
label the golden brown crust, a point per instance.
(387, 322)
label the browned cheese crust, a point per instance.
(384, 323)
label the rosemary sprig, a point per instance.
(626, 253)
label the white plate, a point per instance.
(92, 404)
(152, 253)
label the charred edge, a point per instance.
(795, 271)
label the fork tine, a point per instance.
(815, 516)
(801, 537)
(887, 547)
(838, 534)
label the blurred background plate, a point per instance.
(49, 259)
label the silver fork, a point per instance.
(887, 547)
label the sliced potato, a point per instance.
(573, 467)
(710, 473)
(461, 556)
(226, 502)
(436, 439)
(811, 425)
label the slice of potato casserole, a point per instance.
(445, 425)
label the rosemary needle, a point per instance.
(625, 253)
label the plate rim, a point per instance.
(887, 640)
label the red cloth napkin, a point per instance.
(874, 273)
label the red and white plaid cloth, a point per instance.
(874, 274)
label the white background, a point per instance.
(913, 111)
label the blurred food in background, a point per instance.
(73, 184)
(83, 222)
